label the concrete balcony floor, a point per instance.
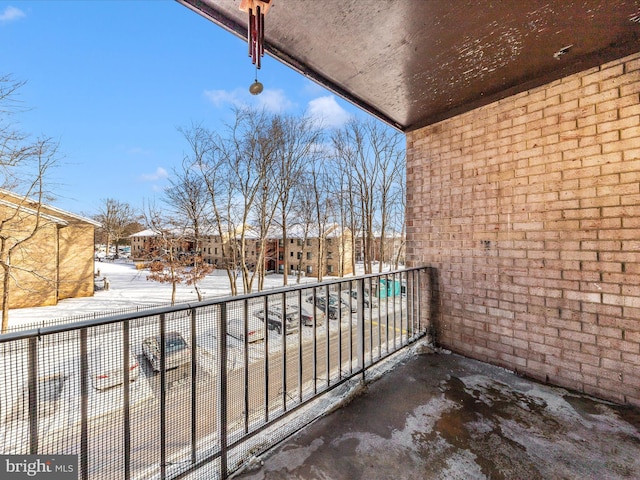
(443, 416)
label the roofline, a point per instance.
(50, 207)
(240, 30)
(32, 211)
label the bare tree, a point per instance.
(117, 219)
(20, 223)
(373, 159)
(207, 156)
(186, 196)
(389, 155)
(296, 145)
(24, 163)
(170, 254)
(322, 206)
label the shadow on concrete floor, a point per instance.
(443, 416)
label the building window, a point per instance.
(329, 268)
(308, 242)
(291, 254)
(309, 269)
(291, 241)
(216, 250)
(299, 256)
(329, 255)
(299, 242)
(309, 255)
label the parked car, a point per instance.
(106, 367)
(306, 315)
(176, 350)
(320, 301)
(255, 329)
(369, 301)
(274, 319)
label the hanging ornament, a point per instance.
(256, 9)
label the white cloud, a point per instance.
(274, 101)
(326, 112)
(10, 14)
(220, 98)
(159, 174)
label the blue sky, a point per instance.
(112, 81)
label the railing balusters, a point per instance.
(360, 325)
(266, 359)
(33, 395)
(126, 420)
(84, 406)
(327, 350)
(163, 399)
(222, 358)
(313, 320)
(194, 383)
(245, 348)
(283, 333)
(228, 428)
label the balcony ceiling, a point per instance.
(415, 62)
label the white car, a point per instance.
(106, 367)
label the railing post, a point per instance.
(84, 406)
(222, 358)
(313, 321)
(125, 401)
(245, 347)
(283, 334)
(163, 399)
(360, 323)
(327, 349)
(33, 395)
(194, 383)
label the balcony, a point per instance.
(437, 415)
(170, 392)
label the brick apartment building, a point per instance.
(302, 253)
(313, 255)
(57, 263)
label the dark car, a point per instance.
(320, 301)
(369, 301)
(307, 315)
(177, 352)
(274, 319)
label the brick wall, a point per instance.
(530, 210)
(76, 262)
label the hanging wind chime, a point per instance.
(256, 9)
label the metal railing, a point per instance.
(161, 393)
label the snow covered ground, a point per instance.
(130, 288)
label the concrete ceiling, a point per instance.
(415, 62)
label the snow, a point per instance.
(129, 288)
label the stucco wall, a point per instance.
(530, 210)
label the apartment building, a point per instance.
(54, 254)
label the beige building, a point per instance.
(57, 262)
(331, 254)
(302, 254)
